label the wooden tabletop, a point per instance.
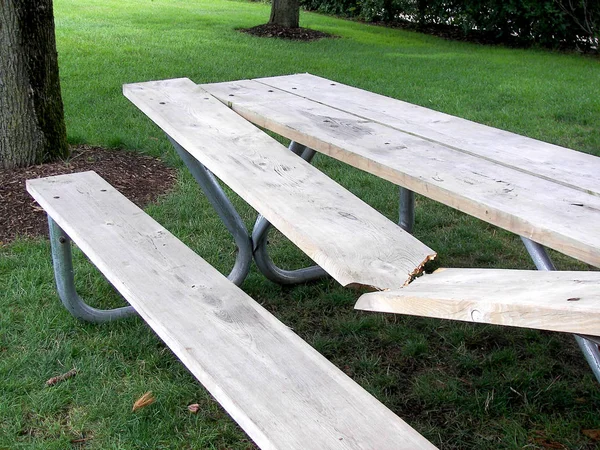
(538, 190)
(350, 240)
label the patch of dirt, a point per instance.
(294, 34)
(142, 179)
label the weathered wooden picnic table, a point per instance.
(548, 195)
(280, 390)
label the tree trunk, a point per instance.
(285, 13)
(32, 124)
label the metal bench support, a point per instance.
(406, 209)
(226, 212)
(62, 261)
(542, 261)
(249, 247)
(589, 345)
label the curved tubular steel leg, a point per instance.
(259, 238)
(407, 210)
(63, 274)
(226, 212)
(542, 261)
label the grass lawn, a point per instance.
(463, 386)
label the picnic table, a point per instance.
(280, 390)
(547, 194)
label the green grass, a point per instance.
(461, 385)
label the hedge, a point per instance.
(548, 23)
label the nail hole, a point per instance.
(205, 98)
(386, 143)
(102, 190)
(270, 90)
(332, 84)
(293, 88)
(231, 95)
(162, 103)
(56, 196)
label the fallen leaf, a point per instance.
(592, 434)
(144, 400)
(65, 376)
(547, 443)
(194, 408)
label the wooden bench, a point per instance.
(281, 391)
(556, 301)
(349, 239)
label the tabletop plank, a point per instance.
(552, 214)
(349, 239)
(562, 165)
(547, 300)
(279, 389)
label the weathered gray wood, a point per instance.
(557, 301)
(281, 391)
(552, 214)
(350, 240)
(541, 159)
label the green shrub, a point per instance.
(548, 23)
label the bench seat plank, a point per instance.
(349, 239)
(562, 218)
(559, 164)
(281, 391)
(548, 300)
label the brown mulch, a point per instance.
(294, 34)
(140, 178)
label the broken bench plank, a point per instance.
(557, 216)
(281, 391)
(559, 164)
(547, 300)
(349, 239)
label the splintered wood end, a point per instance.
(418, 270)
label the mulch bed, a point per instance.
(294, 34)
(140, 178)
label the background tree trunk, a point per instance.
(285, 13)
(32, 124)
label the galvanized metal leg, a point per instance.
(406, 210)
(589, 347)
(226, 212)
(65, 285)
(259, 238)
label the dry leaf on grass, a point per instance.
(548, 444)
(65, 376)
(144, 400)
(194, 408)
(592, 434)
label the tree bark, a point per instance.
(285, 13)
(32, 124)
